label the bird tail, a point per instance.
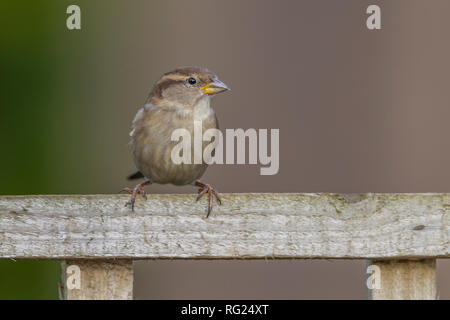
(136, 175)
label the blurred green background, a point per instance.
(44, 121)
(31, 76)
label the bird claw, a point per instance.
(206, 188)
(127, 190)
(138, 190)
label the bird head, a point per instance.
(184, 87)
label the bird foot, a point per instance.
(138, 190)
(206, 188)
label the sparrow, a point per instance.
(177, 99)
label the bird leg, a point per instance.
(206, 188)
(134, 192)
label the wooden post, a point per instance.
(97, 279)
(258, 226)
(404, 280)
(90, 231)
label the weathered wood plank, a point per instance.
(405, 280)
(372, 226)
(98, 279)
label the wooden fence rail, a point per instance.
(400, 234)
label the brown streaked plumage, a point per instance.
(178, 98)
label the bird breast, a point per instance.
(152, 145)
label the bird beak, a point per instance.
(214, 87)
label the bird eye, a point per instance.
(192, 80)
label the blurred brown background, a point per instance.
(358, 111)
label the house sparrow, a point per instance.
(178, 98)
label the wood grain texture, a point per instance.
(372, 226)
(406, 280)
(100, 280)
